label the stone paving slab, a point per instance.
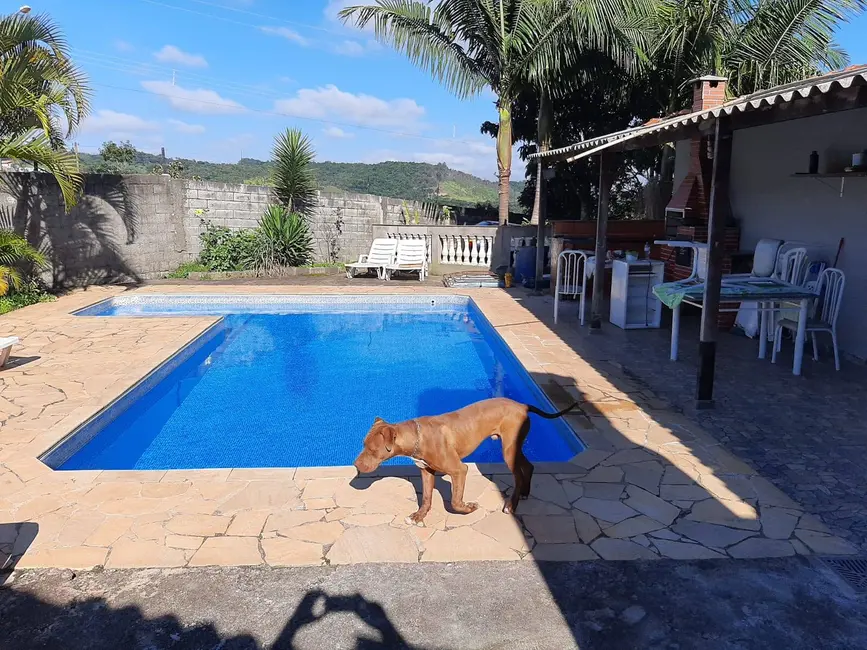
(652, 483)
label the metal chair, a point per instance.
(571, 280)
(830, 292)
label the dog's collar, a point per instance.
(417, 448)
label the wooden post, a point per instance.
(722, 149)
(605, 169)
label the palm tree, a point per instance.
(43, 98)
(756, 44)
(293, 180)
(16, 258)
(504, 45)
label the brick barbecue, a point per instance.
(688, 212)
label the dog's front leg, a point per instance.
(427, 486)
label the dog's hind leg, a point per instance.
(521, 468)
(459, 481)
(526, 469)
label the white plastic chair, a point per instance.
(571, 280)
(830, 292)
(411, 256)
(6, 344)
(381, 255)
(792, 266)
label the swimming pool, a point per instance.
(296, 381)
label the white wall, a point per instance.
(769, 202)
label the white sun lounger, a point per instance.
(411, 256)
(381, 255)
(6, 348)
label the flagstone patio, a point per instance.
(651, 484)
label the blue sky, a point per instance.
(217, 79)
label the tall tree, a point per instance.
(43, 98)
(503, 45)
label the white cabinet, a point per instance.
(633, 305)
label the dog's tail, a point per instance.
(551, 416)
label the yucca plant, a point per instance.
(283, 239)
(294, 183)
(17, 259)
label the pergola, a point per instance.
(837, 91)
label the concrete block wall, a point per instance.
(127, 228)
(123, 228)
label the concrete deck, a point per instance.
(787, 603)
(652, 484)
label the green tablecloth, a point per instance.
(672, 294)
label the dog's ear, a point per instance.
(377, 420)
(389, 434)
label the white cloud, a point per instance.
(172, 54)
(349, 48)
(334, 7)
(123, 46)
(113, 123)
(184, 127)
(285, 32)
(331, 102)
(355, 48)
(336, 132)
(198, 100)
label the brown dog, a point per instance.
(439, 443)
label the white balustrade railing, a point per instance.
(466, 250)
(475, 246)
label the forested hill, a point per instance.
(402, 180)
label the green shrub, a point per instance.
(226, 250)
(282, 239)
(19, 262)
(184, 270)
(30, 293)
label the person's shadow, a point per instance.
(317, 604)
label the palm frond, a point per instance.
(784, 40)
(36, 147)
(15, 250)
(9, 278)
(431, 39)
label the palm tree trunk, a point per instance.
(504, 159)
(543, 137)
(543, 140)
(537, 196)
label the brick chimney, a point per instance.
(693, 194)
(708, 92)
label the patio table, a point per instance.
(765, 292)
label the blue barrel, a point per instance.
(525, 263)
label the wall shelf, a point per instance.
(841, 175)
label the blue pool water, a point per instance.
(297, 385)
